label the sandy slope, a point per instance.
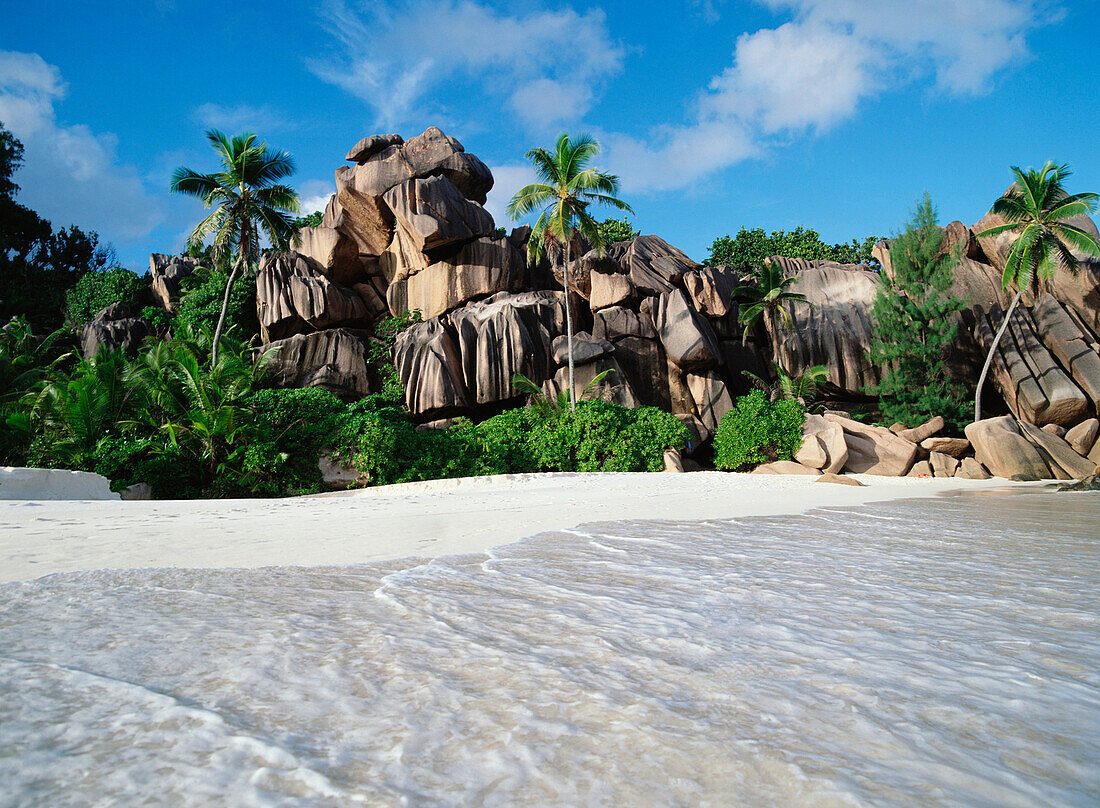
(416, 519)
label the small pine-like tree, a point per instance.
(914, 325)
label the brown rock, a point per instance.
(113, 329)
(608, 289)
(688, 340)
(617, 322)
(614, 387)
(953, 447)
(874, 450)
(167, 273)
(1063, 461)
(335, 360)
(785, 467)
(711, 398)
(1075, 351)
(1057, 430)
(429, 364)
(922, 468)
(645, 369)
(812, 454)
(1083, 436)
(335, 254)
(839, 479)
(370, 146)
(971, 469)
(1000, 446)
(943, 465)
(479, 269)
(832, 438)
(432, 213)
(925, 430)
(586, 348)
(711, 289)
(673, 461)
(339, 475)
(654, 265)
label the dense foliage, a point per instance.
(97, 290)
(38, 263)
(757, 431)
(202, 297)
(749, 248)
(615, 230)
(915, 323)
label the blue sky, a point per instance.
(832, 114)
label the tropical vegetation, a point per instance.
(568, 187)
(748, 249)
(1037, 207)
(767, 298)
(915, 324)
(757, 431)
(248, 201)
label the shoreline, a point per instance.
(420, 520)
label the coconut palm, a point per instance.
(766, 297)
(569, 186)
(248, 201)
(1037, 205)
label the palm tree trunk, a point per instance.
(989, 357)
(225, 308)
(569, 329)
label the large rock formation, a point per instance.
(113, 329)
(407, 229)
(167, 273)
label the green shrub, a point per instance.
(201, 302)
(97, 290)
(503, 445)
(758, 431)
(380, 350)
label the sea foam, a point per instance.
(907, 654)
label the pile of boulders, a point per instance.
(407, 229)
(834, 443)
(112, 329)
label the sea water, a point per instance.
(923, 653)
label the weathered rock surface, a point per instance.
(874, 450)
(926, 430)
(812, 454)
(1062, 460)
(831, 437)
(617, 322)
(335, 360)
(953, 447)
(673, 461)
(614, 387)
(1075, 351)
(293, 297)
(586, 348)
(971, 469)
(339, 475)
(711, 289)
(429, 364)
(688, 340)
(433, 213)
(608, 289)
(710, 398)
(113, 329)
(835, 329)
(785, 467)
(943, 465)
(167, 273)
(654, 265)
(838, 479)
(1083, 436)
(1001, 447)
(479, 269)
(922, 468)
(370, 146)
(335, 255)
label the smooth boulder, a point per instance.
(1001, 447)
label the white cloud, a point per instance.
(507, 179)
(239, 118)
(813, 71)
(397, 57)
(70, 174)
(314, 195)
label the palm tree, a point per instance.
(247, 199)
(766, 298)
(567, 189)
(1037, 205)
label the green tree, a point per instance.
(248, 200)
(914, 325)
(766, 298)
(616, 230)
(312, 220)
(1037, 206)
(38, 264)
(748, 249)
(97, 290)
(569, 186)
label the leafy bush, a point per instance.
(201, 302)
(758, 431)
(97, 290)
(380, 353)
(749, 248)
(614, 230)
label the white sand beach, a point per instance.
(427, 519)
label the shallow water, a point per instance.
(921, 653)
